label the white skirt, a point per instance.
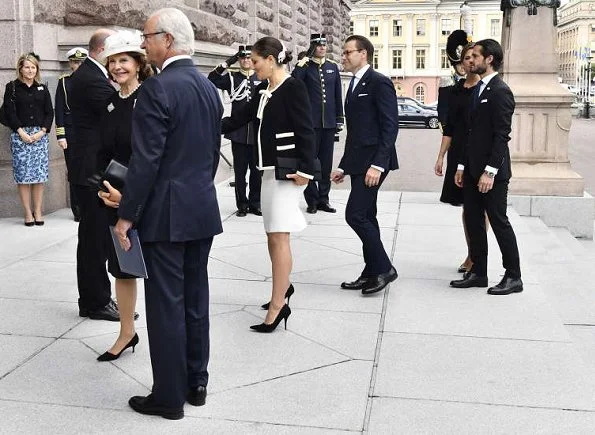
(280, 204)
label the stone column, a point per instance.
(541, 123)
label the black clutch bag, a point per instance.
(114, 174)
(289, 165)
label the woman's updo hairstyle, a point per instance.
(269, 46)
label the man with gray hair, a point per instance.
(170, 197)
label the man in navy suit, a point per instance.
(170, 196)
(485, 170)
(371, 112)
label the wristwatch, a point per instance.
(489, 174)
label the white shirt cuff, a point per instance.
(492, 170)
(340, 170)
(460, 167)
(377, 168)
(301, 174)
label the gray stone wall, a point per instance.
(52, 27)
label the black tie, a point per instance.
(476, 91)
(350, 89)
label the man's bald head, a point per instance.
(97, 41)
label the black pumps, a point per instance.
(288, 293)
(270, 327)
(110, 356)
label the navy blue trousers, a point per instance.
(317, 191)
(177, 305)
(360, 214)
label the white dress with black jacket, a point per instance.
(283, 129)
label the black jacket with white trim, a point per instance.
(283, 125)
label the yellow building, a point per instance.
(409, 38)
(576, 37)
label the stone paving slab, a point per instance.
(481, 370)
(444, 418)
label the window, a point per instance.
(495, 28)
(420, 59)
(397, 59)
(397, 27)
(373, 25)
(421, 27)
(444, 63)
(351, 27)
(420, 93)
(375, 60)
(446, 29)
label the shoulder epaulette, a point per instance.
(64, 76)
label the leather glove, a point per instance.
(233, 59)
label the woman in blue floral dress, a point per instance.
(29, 112)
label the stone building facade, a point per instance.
(52, 27)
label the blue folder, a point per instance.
(132, 261)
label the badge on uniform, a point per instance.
(40, 88)
(330, 71)
(110, 107)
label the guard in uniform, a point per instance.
(240, 87)
(64, 130)
(323, 82)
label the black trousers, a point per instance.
(74, 204)
(177, 306)
(243, 158)
(360, 214)
(317, 191)
(494, 203)
(91, 253)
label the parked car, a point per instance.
(410, 114)
(409, 100)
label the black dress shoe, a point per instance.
(109, 312)
(378, 283)
(507, 286)
(197, 396)
(311, 209)
(358, 284)
(146, 405)
(255, 211)
(115, 306)
(242, 212)
(326, 207)
(470, 279)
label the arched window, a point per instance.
(420, 93)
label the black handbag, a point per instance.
(114, 174)
(3, 119)
(289, 165)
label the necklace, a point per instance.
(124, 96)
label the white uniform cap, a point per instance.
(77, 53)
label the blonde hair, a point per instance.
(34, 59)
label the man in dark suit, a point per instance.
(323, 82)
(240, 86)
(371, 112)
(484, 172)
(89, 89)
(169, 194)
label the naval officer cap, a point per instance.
(245, 51)
(77, 53)
(318, 38)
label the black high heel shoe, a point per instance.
(288, 293)
(107, 356)
(283, 315)
(36, 222)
